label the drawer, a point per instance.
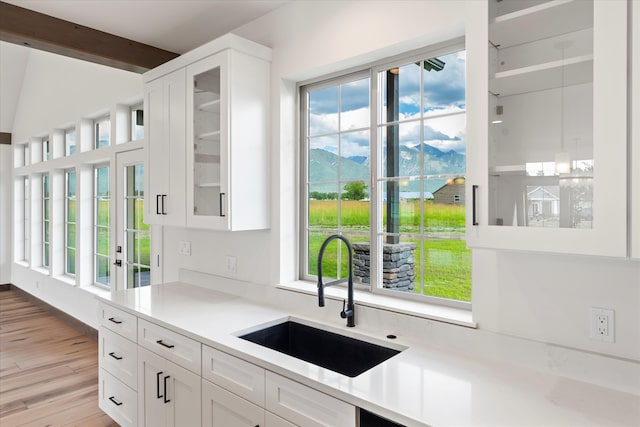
(305, 406)
(181, 350)
(117, 400)
(242, 378)
(118, 356)
(119, 321)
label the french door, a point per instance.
(133, 251)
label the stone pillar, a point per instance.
(398, 265)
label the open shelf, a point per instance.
(208, 185)
(577, 70)
(210, 106)
(541, 21)
(209, 136)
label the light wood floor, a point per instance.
(48, 370)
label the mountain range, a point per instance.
(323, 166)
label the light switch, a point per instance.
(184, 248)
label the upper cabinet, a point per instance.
(224, 184)
(547, 125)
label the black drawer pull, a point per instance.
(114, 320)
(115, 356)
(158, 395)
(115, 401)
(164, 344)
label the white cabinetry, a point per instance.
(547, 126)
(117, 358)
(218, 133)
(165, 104)
(169, 394)
(236, 392)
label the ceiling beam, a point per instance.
(39, 31)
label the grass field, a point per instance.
(443, 262)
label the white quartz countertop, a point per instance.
(424, 385)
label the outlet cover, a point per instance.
(184, 248)
(232, 264)
(602, 324)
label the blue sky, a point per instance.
(444, 91)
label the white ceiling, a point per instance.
(174, 25)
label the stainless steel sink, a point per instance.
(339, 353)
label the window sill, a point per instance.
(456, 316)
(69, 280)
(96, 290)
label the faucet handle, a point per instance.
(344, 313)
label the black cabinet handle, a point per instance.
(221, 211)
(157, 204)
(115, 356)
(165, 389)
(474, 202)
(114, 320)
(163, 199)
(162, 343)
(115, 401)
(158, 395)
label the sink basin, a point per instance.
(339, 353)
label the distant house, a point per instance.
(451, 193)
(543, 201)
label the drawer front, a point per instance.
(242, 378)
(117, 400)
(118, 356)
(181, 350)
(304, 406)
(118, 321)
(221, 408)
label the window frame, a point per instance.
(46, 221)
(67, 200)
(376, 178)
(67, 146)
(96, 131)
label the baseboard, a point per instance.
(76, 324)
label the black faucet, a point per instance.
(348, 312)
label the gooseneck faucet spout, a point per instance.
(348, 307)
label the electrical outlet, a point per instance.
(184, 248)
(602, 324)
(232, 264)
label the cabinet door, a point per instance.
(168, 394)
(207, 143)
(271, 420)
(221, 408)
(151, 397)
(547, 126)
(165, 134)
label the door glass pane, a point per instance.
(136, 235)
(541, 116)
(207, 197)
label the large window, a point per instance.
(408, 141)
(46, 221)
(70, 222)
(101, 226)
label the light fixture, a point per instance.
(562, 158)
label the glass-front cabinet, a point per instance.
(547, 125)
(207, 137)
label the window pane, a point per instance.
(102, 181)
(137, 123)
(323, 206)
(323, 158)
(399, 93)
(447, 269)
(354, 105)
(70, 142)
(45, 255)
(444, 84)
(45, 149)
(139, 181)
(102, 270)
(45, 186)
(323, 111)
(102, 241)
(71, 235)
(103, 132)
(354, 156)
(71, 184)
(402, 152)
(355, 206)
(71, 261)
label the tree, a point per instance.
(355, 190)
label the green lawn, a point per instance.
(442, 251)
